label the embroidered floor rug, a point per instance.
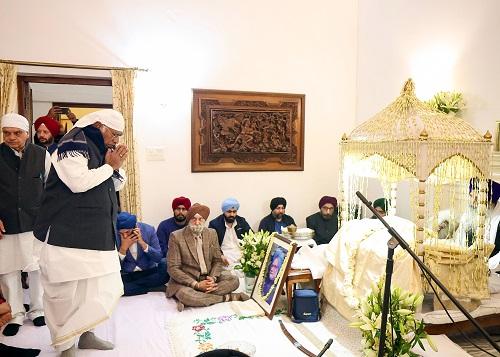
(243, 324)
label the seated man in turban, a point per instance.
(325, 223)
(180, 206)
(143, 269)
(47, 129)
(230, 228)
(277, 219)
(195, 266)
(381, 205)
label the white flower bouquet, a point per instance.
(253, 251)
(403, 330)
(448, 102)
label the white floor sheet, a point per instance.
(142, 326)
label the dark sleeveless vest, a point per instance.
(21, 187)
(84, 220)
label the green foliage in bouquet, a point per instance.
(253, 251)
(403, 330)
(447, 102)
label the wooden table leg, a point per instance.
(289, 288)
(317, 284)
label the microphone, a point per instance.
(327, 346)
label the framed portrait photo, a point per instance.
(273, 273)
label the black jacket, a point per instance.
(324, 230)
(21, 187)
(219, 225)
(84, 220)
(267, 223)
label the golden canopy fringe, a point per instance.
(440, 155)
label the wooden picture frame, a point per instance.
(273, 273)
(247, 131)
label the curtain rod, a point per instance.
(66, 65)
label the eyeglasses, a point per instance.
(116, 134)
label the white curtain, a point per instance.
(8, 75)
(123, 101)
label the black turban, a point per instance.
(276, 201)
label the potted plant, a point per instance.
(253, 250)
(404, 331)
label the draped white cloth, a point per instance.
(76, 306)
(357, 257)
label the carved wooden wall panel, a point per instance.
(247, 131)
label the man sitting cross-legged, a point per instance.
(195, 266)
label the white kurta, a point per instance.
(16, 252)
(82, 286)
(64, 264)
(230, 245)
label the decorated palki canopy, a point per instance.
(447, 163)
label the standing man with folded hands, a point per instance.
(77, 225)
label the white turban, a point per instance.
(109, 117)
(13, 120)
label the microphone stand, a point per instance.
(392, 244)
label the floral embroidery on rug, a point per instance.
(203, 335)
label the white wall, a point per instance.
(274, 46)
(442, 45)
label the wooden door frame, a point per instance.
(23, 81)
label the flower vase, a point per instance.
(249, 283)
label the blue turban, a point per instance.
(126, 220)
(279, 253)
(230, 203)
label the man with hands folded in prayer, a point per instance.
(195, 266)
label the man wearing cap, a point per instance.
(77, 225)
(23, 171)
(180, 206)
(325, 223)
(277, 219)
(195, 267)
(47, 130)
(230, 228)
(143, 269)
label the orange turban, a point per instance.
(202, 210)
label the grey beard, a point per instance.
(196, 229)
